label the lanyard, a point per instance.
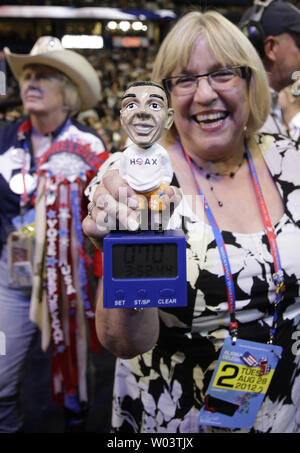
(277, 276)
(264, 212)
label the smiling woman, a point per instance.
(175, 58)
(243, 274)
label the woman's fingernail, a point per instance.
(132, 224)
(133, 203)
(102, 228)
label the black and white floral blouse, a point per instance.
(163, 389)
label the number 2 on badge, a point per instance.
(220, 382)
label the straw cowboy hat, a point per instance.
(49, 51)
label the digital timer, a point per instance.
(146, 269)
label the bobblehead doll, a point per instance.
(145, 164)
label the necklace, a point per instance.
(209, 176)
(278, 275)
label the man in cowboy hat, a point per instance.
(46, 160)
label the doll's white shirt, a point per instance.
(145, 169)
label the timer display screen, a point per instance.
(144, 261)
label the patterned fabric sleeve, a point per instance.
(112, 163)
(163, 389)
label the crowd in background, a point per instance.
(124, 4)
(116, 68)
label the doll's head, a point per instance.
(145, 113)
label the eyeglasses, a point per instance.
(223, 78)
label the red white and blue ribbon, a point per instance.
(85, 262)
(65, 211)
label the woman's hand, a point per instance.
(113, 201)
(114, 206)
(124, 332)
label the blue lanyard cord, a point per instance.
(223, 255)
(278, 276)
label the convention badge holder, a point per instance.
(20, 251)
(239, 384)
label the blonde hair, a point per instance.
(228, 45)
(71, 95)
